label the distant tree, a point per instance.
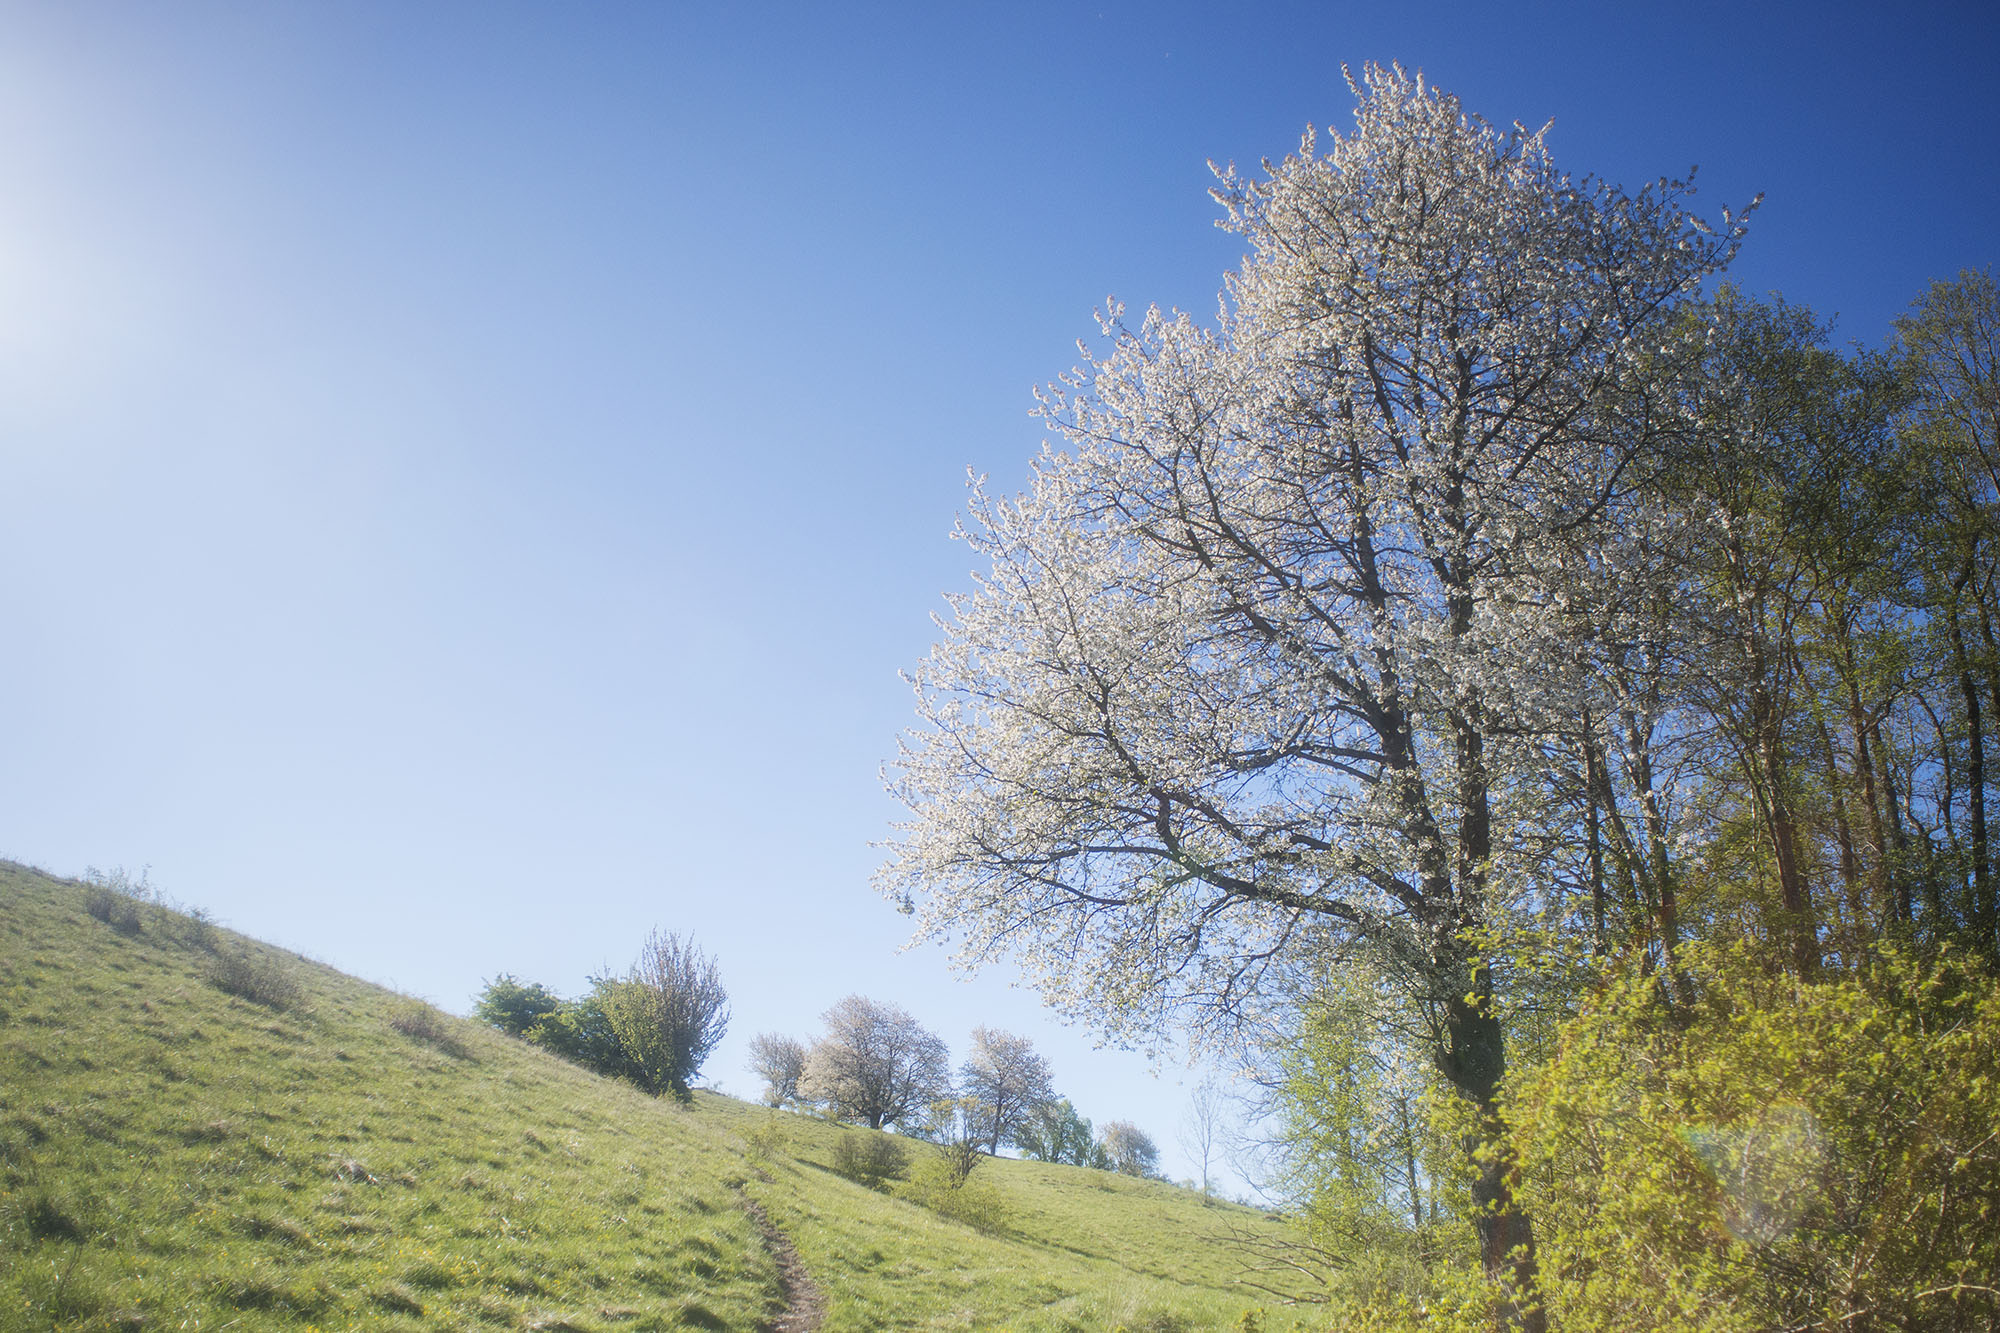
(1131, 1150)
(778, 1060)
(668, 1012)
(1007, 1081)
(1054, 1132)
(515, 1006)
(1203, 1126)
(876, 1065)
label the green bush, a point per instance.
(1778, 1153)
(669, 1012)
(580, 1031)
(426, 1023)
(118, 910)
(513, 1006)
(258, 979)
(871, 1158)
(768, 1140)
(971, 1200)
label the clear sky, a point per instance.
(470, 474)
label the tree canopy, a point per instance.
(876, 1064)
(1006, 1081)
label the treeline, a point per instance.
(877, 1066)
(1793, 645)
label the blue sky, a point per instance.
(472, 472)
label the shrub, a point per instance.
(580, 1031)
(970, 1200)
(193, 929)
(768, 1140)
(113, 908)
(124, 903)
(871, 1159)
(514, 1006)
(426, 1023)
(260, 980)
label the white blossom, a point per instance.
(1267, 639)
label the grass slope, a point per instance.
(1076, 1251)
(176, 1156)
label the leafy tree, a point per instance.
(668, 1012)
(1776, 484)
(1054, 1132)
(1130, 1149)
(1261, 660)
(514, 1006)
(1354, 1146)
(1006, 1080)
(778, 1060)
(876, 1065)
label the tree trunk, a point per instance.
(1990, 898)
(1410, 1164)
(1475, 1058)
(1843, 835)
(1598, 944)
(1626, 859)
(1948, 803)
(1898, 876)
(1982, 913)
(1781, 827)
(1975, 789)
(1871, 798)
(1474, 1064)
(1656, 869)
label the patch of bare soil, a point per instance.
(805, 1304)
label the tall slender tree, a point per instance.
(1951, 347)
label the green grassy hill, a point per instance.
(198, 1131)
